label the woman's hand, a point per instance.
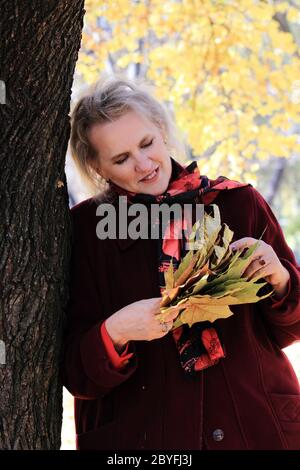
(137, 321)
(264, 263)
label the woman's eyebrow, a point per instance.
(123, 153)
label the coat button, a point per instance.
(218, 435)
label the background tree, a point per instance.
(40, 43)
(228, 69)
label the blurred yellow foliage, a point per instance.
(226, 67)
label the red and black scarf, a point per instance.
(199, 346)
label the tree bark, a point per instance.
(40, 43)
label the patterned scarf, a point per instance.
(199, 347)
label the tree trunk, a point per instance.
(40, 43)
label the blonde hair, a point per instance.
(106, 101)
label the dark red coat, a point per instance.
(252, 395)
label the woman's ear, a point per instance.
(97, 170)
(96, 167)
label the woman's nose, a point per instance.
(143, 163)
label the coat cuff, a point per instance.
(118, 361)
(97, 364)
(277, 303)
(287, 309)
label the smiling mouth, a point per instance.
(151, 176)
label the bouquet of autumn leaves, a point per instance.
(209, 278)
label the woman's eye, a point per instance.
(148, 144)
(122, 160)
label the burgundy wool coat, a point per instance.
(249, 400)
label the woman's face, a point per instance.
(132, 154)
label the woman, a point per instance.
(136, 383)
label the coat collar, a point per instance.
(126, 243)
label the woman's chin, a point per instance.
(156, 190)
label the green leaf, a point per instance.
(220, 252)
(197, 313)
(169, 277)
(200, 284)
(185, 268)
(227, 236)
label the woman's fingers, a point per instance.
(261, 250)
(263, 263)
(258, 261)
(242, 243)
(258, 268)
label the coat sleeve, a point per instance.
(87, 371)
(283, 317)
